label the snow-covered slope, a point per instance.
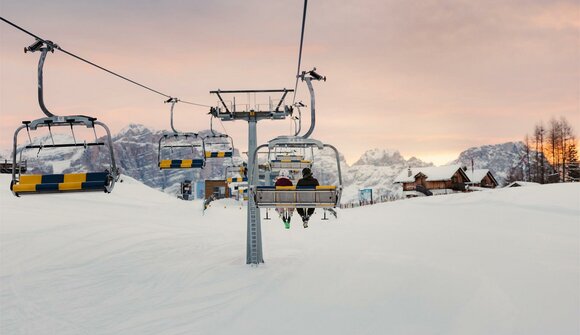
(138, 261)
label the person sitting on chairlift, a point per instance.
(307, 180)
(283, 179)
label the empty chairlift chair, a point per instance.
(288, 161)
(180, 150)
(219, 146)
(100, 180)
(40, 183)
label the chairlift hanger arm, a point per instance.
(172, 101)
(308, 77)
(44, 47)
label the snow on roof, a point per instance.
(432, 172)
(476, 175)
(522, 183)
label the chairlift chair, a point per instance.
(218, 145)
(100, 180)
(180, 150)
(290, 161)
(231, 171)
(323, 196)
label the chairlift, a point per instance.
(323, 196)
(239, 170)
(293, 161)
(218, 145)
(180, 150)
(100, 180)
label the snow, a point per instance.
(476, 175)
(139, 261)
(432, 172)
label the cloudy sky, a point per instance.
(428, 78)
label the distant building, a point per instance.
(481, 178)
(218, 189)
(432, 180)
(522, 183)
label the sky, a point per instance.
(428, 78)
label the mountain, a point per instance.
(498, 158)
(376, 169)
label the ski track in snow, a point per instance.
(138, 261)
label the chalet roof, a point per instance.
(522, 183)
(476, 175)
(433, 173)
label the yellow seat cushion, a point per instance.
(70, 186)
(75, 177)
(164, 164)
(30, 179)
(24, 188)
(285, 187)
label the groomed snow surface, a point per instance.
(138, 261)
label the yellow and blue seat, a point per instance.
(237, 180)
(181, 163)
(38, 183)
(218, 154)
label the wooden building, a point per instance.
(432, 180)
(219, 189)
(481, 178)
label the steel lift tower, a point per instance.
(272, 111)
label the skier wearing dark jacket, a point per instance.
(307, 180)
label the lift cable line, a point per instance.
(300, 50)
(57, 47)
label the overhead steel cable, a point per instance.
(300, 50)
(57, 47)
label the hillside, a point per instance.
(138, 261)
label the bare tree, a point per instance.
(554, 145)
(527, 168)
(573, 166)
(567, 137)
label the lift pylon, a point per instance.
(273, 110)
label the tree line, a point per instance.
(551, 154)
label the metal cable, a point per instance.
(300, 51)
(55, 46)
